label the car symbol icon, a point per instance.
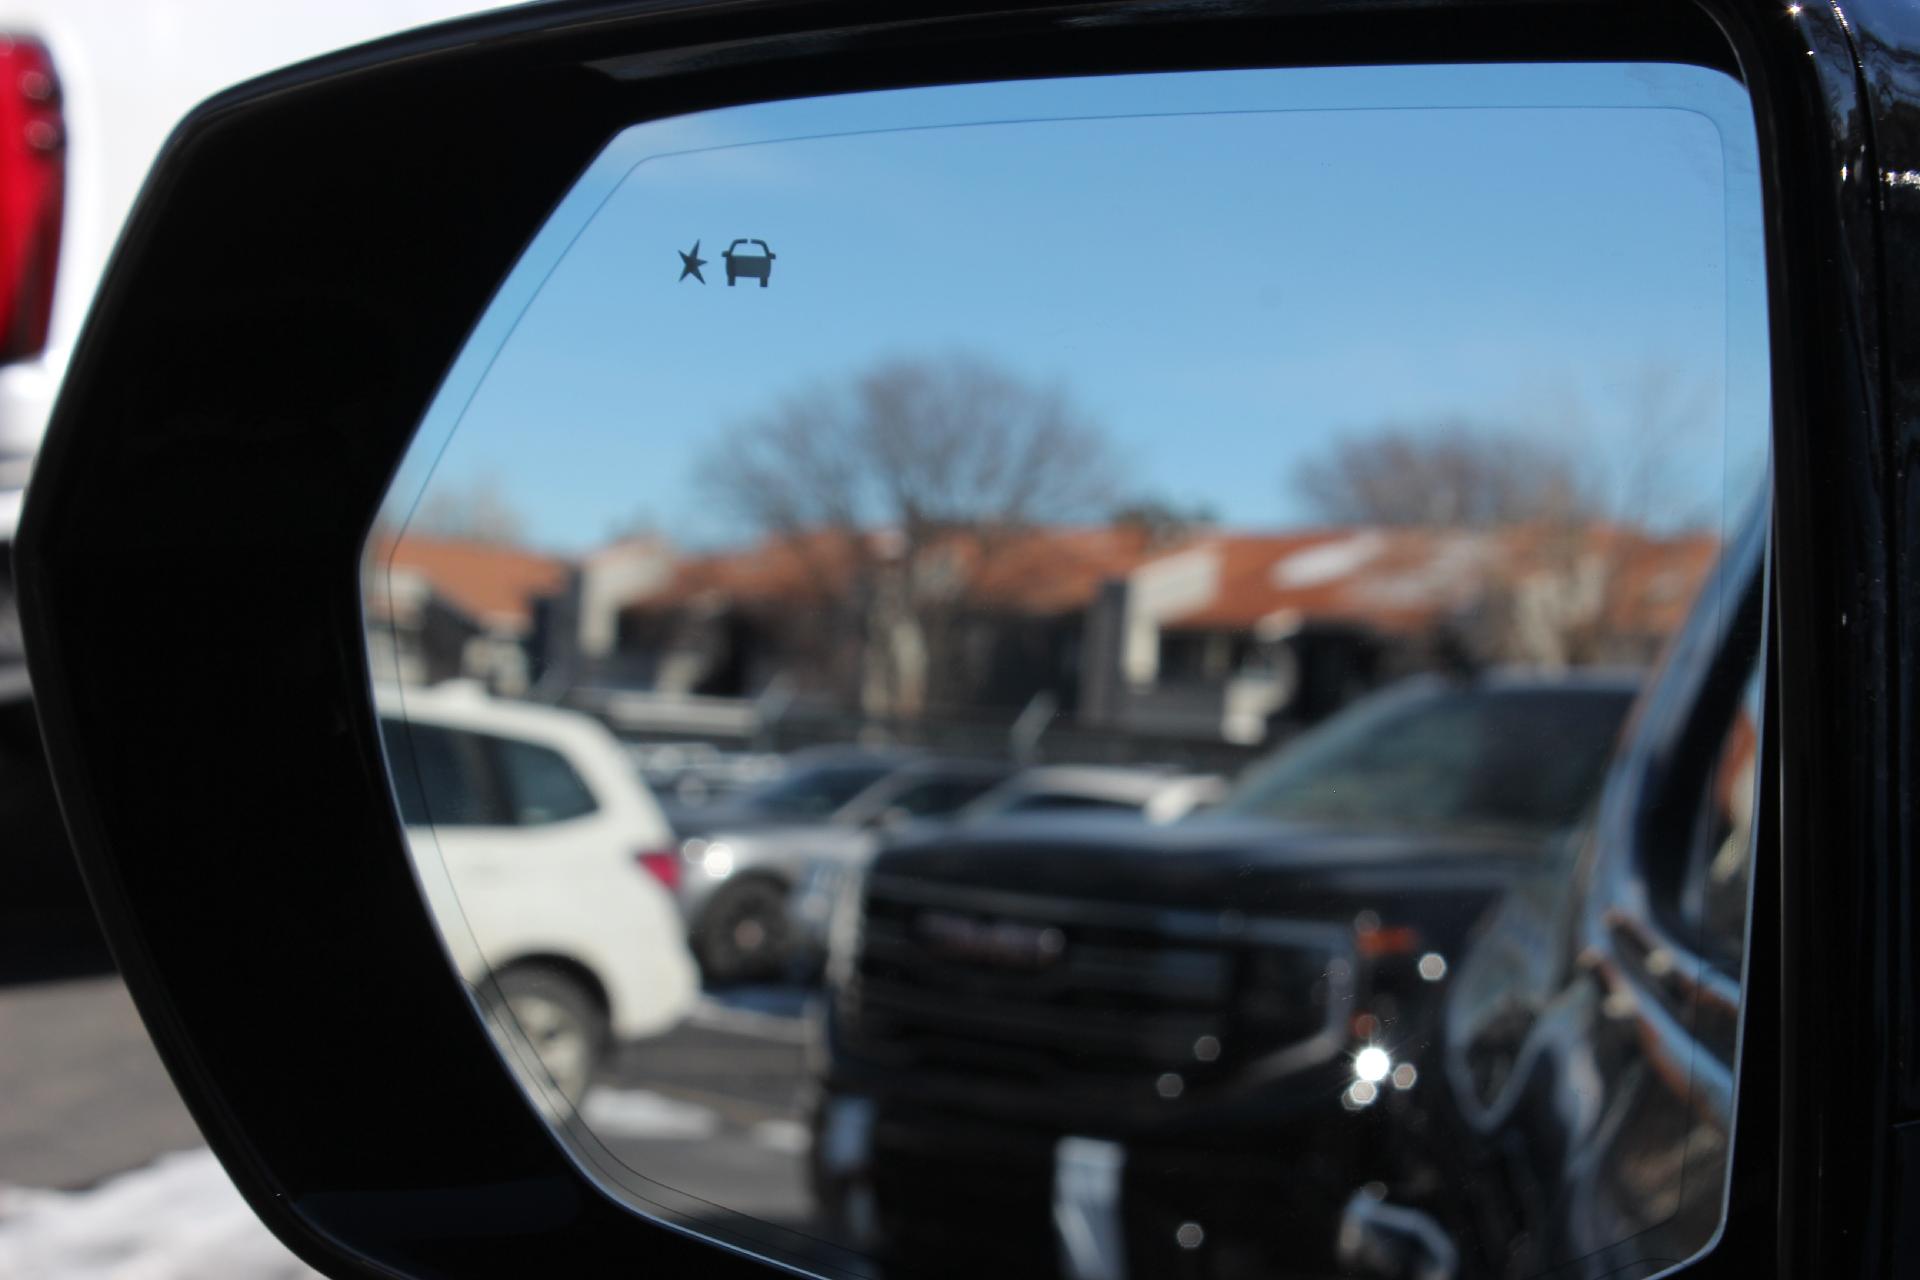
(750, 266)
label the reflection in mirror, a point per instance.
(1108, 677)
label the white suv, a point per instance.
(537, 845)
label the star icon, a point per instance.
(690, 264)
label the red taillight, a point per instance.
(33, 167)
(663, 865)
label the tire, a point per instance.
(560, 1017)
(744, 935)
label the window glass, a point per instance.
(541, 786)
(440, 776)
(1446, 758)
(932, 797)
(406, 777)
(1723, 857)
(817, 791)
(1062, 802)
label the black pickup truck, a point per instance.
(1033, 1021)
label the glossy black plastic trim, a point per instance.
(304, 265)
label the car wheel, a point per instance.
(560, 1018)
(744, 935)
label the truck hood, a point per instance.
(1212, 863)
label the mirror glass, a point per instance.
(1108, 677)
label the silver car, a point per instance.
(742, 861)
(1157, 794)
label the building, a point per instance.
(1199, 634)
(440, 608)
(1235, 632)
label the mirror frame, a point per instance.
(304, 264)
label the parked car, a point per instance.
(738, 880)
(689, 776)
(1155, 794)
(815, 784)
(537, 849)
(1159, 795)
(1589, 1035)
(1018, 996)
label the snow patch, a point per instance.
(789, 1137)
(179, 1218)
(641, 1113)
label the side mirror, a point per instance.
(1095, 356)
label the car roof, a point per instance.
(466, 704)
(587, 744)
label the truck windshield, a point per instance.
(1524, 761)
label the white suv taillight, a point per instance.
(33, 168)
(663, 865)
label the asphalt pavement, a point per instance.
(82, 1092)
(714, 1108)
(103, 1172)
(94, 1139)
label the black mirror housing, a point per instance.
(303, 266)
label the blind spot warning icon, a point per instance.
(748, 266)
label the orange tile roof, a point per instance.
(1397, 580)
(1033, 571)
(1407, 579)
(1058, 570)
(494, 584)
(1657, 580)
(775, 571)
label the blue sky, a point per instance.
(1223, 270)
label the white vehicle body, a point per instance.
(128, 72)
(568, 892)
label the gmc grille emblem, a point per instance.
(1003, 944)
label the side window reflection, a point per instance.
(1723, 862)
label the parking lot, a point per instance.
(102, 1171)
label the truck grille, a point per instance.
(1130, 1002)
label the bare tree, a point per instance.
(1572, 527)
(478, 512)
(1664, 411)
(902, 487)
(1454, 476)
(1163, 521)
